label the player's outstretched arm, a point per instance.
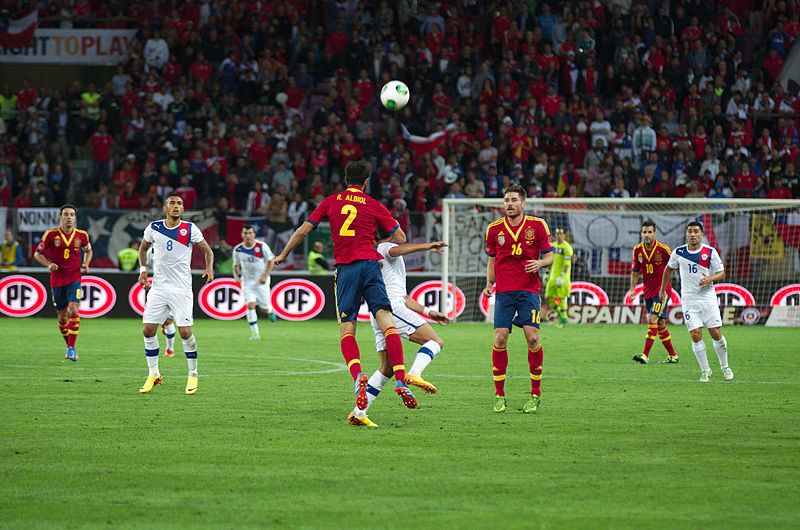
(432, 313)
(398, 236)
(208, 274)
(410, 248)
(297, 238)
(143, 248)
(664, 282)
(42, 260)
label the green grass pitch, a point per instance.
(264, 442)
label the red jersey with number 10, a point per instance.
(65, 251)
(650, 264)
(354, 217)
(512, 247)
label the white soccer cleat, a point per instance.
(705, 375)
(727, 373)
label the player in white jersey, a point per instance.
(171, 291)
(168, 327)
(410, 325)
(252, 265)
(700, 266)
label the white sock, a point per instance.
(699, 349)
(169, 333)
(252, 319)
(374, 385)
(721, 347)
(190, 349)
(151, 354)
(424, 357)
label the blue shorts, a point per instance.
(355, 281)
(66, 294)
(520, 308)
(654, 306)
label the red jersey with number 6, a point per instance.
(650, 264)
(354, 216)
(65, 251)
(512, 247)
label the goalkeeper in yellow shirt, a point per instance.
(558, 284)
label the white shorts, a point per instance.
(405, 320)
(701, 314)
(161, 304)
(257, 292)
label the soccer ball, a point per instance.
(394, 95)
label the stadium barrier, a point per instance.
(297, 296)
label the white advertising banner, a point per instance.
(37, 219)
(73, 46)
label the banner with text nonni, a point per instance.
(73, 46)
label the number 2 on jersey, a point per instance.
(351, 212)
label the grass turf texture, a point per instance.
(263, 443)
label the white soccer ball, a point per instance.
(394, 95)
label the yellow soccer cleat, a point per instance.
(420, 383)
(360, 422)
(150, 383)
(191, 385)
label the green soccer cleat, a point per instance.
(641, 358)
(705, 376)
(500, 403)
(532, 405)
(562, 322)
(671, 359)
(727, 373)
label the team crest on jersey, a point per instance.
(183, 231)
(57, 242)
(501, 239)
(529, 233)
(257, 251)
(641, 259)
(704, 256)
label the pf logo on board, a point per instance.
(136, 296)
(427, 294)
(587, 293)
(98, 297)
(297, 299)
(21, 296)
(222, 299)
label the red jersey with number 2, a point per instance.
(650, 264)
(354, 216)
(65, 251)
(512, 247)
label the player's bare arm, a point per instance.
(634, 283)
(490, 278)
(297, 238)
(707, 280)
(533, 266)
(398, 236)
(270, 266)
(236, 274)
(208, 254)
(419, 308)
(87, 259)
(43, 261)
(143, 248)
(664, 282)
(410, 248)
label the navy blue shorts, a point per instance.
(355, 281)
(520, 308)
(65, 294)
(654, 306)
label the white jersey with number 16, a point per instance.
(693, 265)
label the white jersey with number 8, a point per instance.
(172, 254)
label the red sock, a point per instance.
(499, 365)
(351, 354)
(535, 359)
(649, 338)
(394, 350)
(64, 331)
(666, 341)
(73, 326)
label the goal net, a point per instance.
(758, 240)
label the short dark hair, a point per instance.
(174, 194)
(248, 227)
(516, 188)
(649, 222)
(356, 173)
(698, 224)
(68, 206)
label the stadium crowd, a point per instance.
(256, 107)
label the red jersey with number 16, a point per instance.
(512, 247)
(65, 251)
(354, 216)
(650, 264)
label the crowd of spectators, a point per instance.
(256, 107)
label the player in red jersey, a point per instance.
(518, 246)
(60, 251)
(354, 217)
(649, 259)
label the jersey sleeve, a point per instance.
(268, 254)
(715, 264)
(568, 253)
(385, 219)
(319, 214)
(44, 243)
(384, 248)
(88, 245)
(635, 264)
(491, 246)
(196, 235)
(544, 243)
(148, 234)
(673, 262)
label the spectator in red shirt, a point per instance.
(129, 199)
(336, 41)
(745, 181)
(187, 193)
(100, 145)
(201, 68)
(778, 191)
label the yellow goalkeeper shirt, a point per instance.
(563, 254)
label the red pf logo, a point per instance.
(587, 293)
(297, 299)
(222, 299)
(786, 295)
(98, 297)
(136, 297)
(21, 296)
(427, 294)
(635, 297)
(732, 294)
